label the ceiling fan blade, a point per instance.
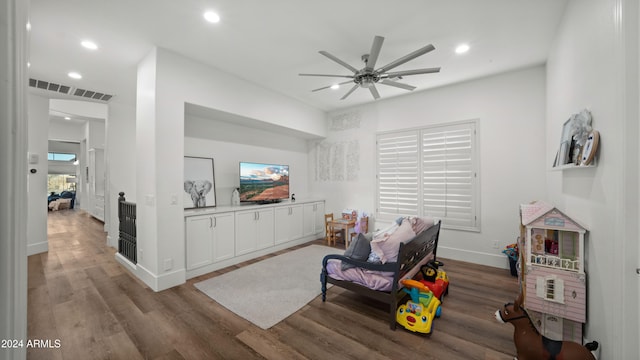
(410, 72)
(406, 58)
(398, 85)
(374, 92)
(350, 91)
(375, 51)
(326, 87)
(353, 70)
(328, 75)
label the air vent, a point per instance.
(68, 90)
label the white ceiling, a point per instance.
(269, 42)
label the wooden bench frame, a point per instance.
(410, 255)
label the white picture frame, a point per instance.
(199, 183)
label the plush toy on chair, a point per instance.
(531, 345)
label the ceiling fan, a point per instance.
(368, 76)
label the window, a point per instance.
(550, 288)
(430, 171)
(58, 183)
(61, 156)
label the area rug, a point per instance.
(269, 291)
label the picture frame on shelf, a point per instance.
(199, 182)
(564, 154)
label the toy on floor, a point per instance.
(418, 313)
(435, 279)
(531, 345)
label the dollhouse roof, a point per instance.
(532, 212)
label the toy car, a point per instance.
(435, 279)
(418, 313)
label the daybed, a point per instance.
(381, 281)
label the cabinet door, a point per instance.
(199, 230)
(289, 223)
(309, 219)
(319, 220)
(313, 218)
(296, 225)
(224, 237)
(264, 234)
(246, 228)
(282, 224)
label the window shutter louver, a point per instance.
(398, 174)
(448, 174)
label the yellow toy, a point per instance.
(418, 313)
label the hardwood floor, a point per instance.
(79, 295)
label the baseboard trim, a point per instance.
(475, 257)
(155, 282)
(39, 248)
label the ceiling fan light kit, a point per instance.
(368, 76)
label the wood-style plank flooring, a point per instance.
(79, 295)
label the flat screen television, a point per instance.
(263, 183)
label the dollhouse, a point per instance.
(554, 278)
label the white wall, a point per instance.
(513, 164)
(38, 129)
(66, 132)
(595, 66)
(228, 144)
(120, 162)
(166, 82)
(13, 174)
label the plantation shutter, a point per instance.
(449, 174)
(398, 160)
(430, 171)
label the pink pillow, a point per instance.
(386, 245)
(419, 224)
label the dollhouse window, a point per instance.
(550, 288)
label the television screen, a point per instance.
(263, 183)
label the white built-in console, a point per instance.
(226, 235)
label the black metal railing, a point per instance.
(127, 227)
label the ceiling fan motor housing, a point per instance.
(366, 78)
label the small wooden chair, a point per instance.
(330, 233)
(364, 228)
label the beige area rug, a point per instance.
(269, 291)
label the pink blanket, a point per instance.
(375, 280)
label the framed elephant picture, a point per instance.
(199, 183)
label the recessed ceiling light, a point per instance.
(28, 64)
(335, 87)
(28, 26)
(212, 17)
(74, 75)
(462, 48)
(67, 118)
(89, 45)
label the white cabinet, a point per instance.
(254, 230)
(313, 218)
(288, 223)
(209, 238)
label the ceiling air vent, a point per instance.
(68, 90)
(45, 85)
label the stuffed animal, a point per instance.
(531, 345)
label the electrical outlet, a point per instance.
(496, 244)
(140, 253)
